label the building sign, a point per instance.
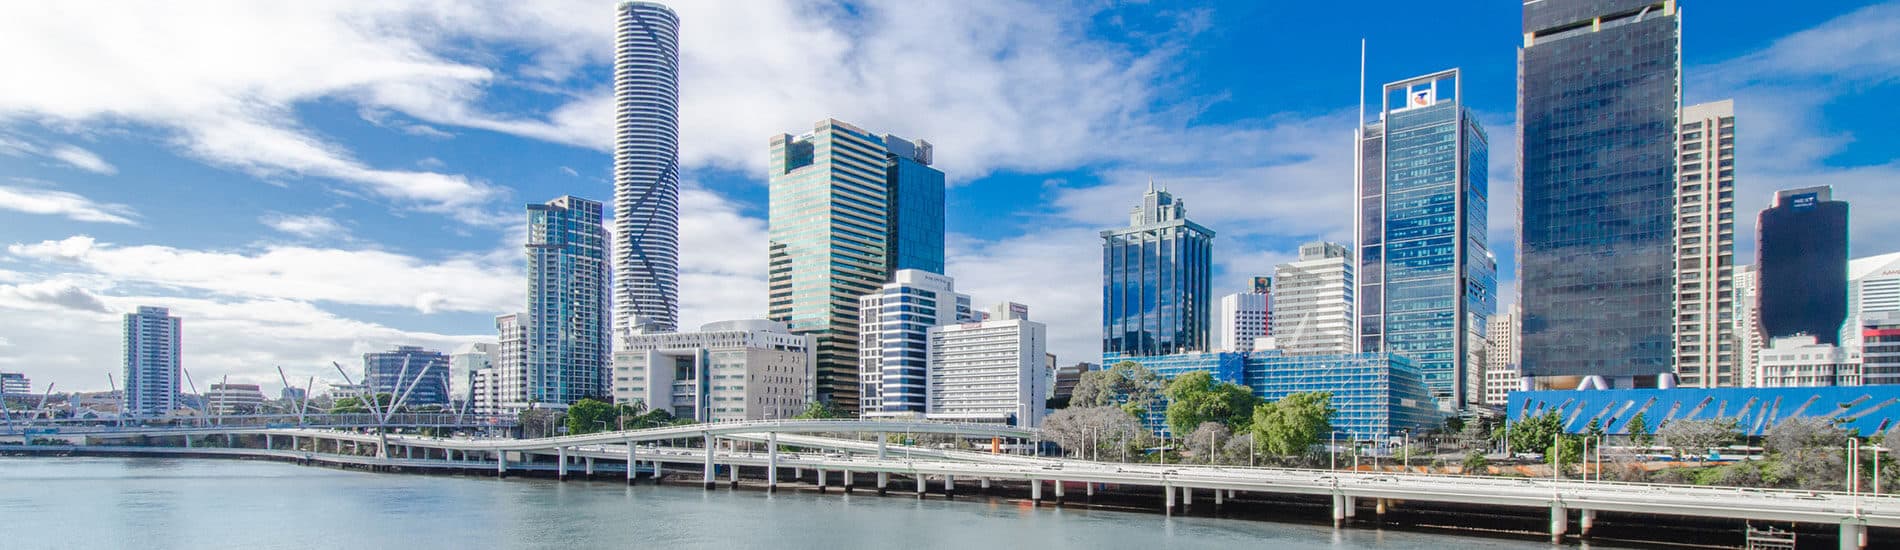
(1803, 201)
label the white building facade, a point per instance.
(1313, 302)
(153, 360)
(727, 371)
(1801, 361)
(992, 371)
(1706, 350)
(463, 364)
(228, 399)
(1501, 374)
(894, 341)
(1240, 319)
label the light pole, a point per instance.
(1407, 434)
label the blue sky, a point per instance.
(305, 182)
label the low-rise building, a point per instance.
(13, 383)
(411, 375)
(463, 365)
(1802, 361)
(1880, 349)
(1377, 395)
(727, 371)
(227, 399)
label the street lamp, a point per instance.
(1407, 435)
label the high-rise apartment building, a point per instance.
(750, 369)
(991, 371)
(1501, 376)
(646, 169)
(1802, 265)
(894, 340)
(1240, 319)
(1706, 354)
(1156, 279)
(153, 357)
(1426, 278)
(410, 375)
(565, 349)
(1312, 302)
(503, 388)
(463, 365)
(1597, 98)
(849, 208)
(1747, 327)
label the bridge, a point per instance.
(826, 449)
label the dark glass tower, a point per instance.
(1802, 263)
(1427, 282)
(1597, 100)
(1155, 281)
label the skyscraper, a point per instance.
(646, 168)
(411, 374)
(1705, 251)
(152, 361)
(1802, 265)
(1155, 280)
(1597, 98)
(1426, 278)
(1747, 326)
(1312, 302)
(1240, 319)
(893, 364)
(564, 329)
(849, 208)
(1501, 376)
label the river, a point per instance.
(197, 504)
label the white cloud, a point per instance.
(61, 203)
(310, 226)
(83, 159)
(356, 277)
(59, 293)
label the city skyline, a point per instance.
(356, 249)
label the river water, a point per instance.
(196, 504)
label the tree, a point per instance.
(819, 411)
(537, 423)
(1292, 426)
(590, 415)
(1195, 398)
(1205, 441)
(1476, 464)
(1535, 434)
(1106, 431)
(358, 405)
(1695, 437)
(1638, 428)
(1093, 389)
(1808, 453)
(1128, 385)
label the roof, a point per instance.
(1861, 268)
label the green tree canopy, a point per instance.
(1638, 428)
(1292, 426)
(590, 415)
(1195, 398)
(819, 411)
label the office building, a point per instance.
(1501, 376)
(1426, 280)
(230, 399)
(1706, 351)
(849, 208)
(14, 383)
(463, 365)
(1880, 348)
(727, 371)
(1801, 266)
(411, 375)
(1873, 285)
(152, 361)
(1377, 395)
(1156, 273)
(565, 325)
(646, 169)
(1597, 99)
(1066, 379)
(894, 338)
(1747, 326)
(992, 371)
(1804, 361)
(1240, 319)
(1313, 301)
(292, 396)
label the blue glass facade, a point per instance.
(1376, 394)
(1864, 409)
(1802, 265)
(1427, 281)
(916, 207)
(1598, 97)
(422, 374)
(567, 320)
(1156, 296)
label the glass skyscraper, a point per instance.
(152, 361)
(894, 367)
(1427, 281)
(1155, 281)
(416, 376)
(1802, 265)
(646, 168)
(848, 209)
(1598, 91)
(565, 326)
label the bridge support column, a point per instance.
(1352, 507)
(1379, 508)
(382, 445)
(633, 464)
(187, 441)
(771, 462)
(922, 484)
(1058, 484)
(1169, 491)
(1339, 511)
(984, 484)
(267, 441)
(709, 461)
(1853, 536)
(883, 483)
(1220, 497)
(1088, 490)
(560, 453)
(229, 441)
(1187, 498)
(732, 474)
(589, 466)
(501, 464)
(1585, 520)
(821, 480)
(1559, 522)
(949, 486)
(1035, 491)
(848, 485)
